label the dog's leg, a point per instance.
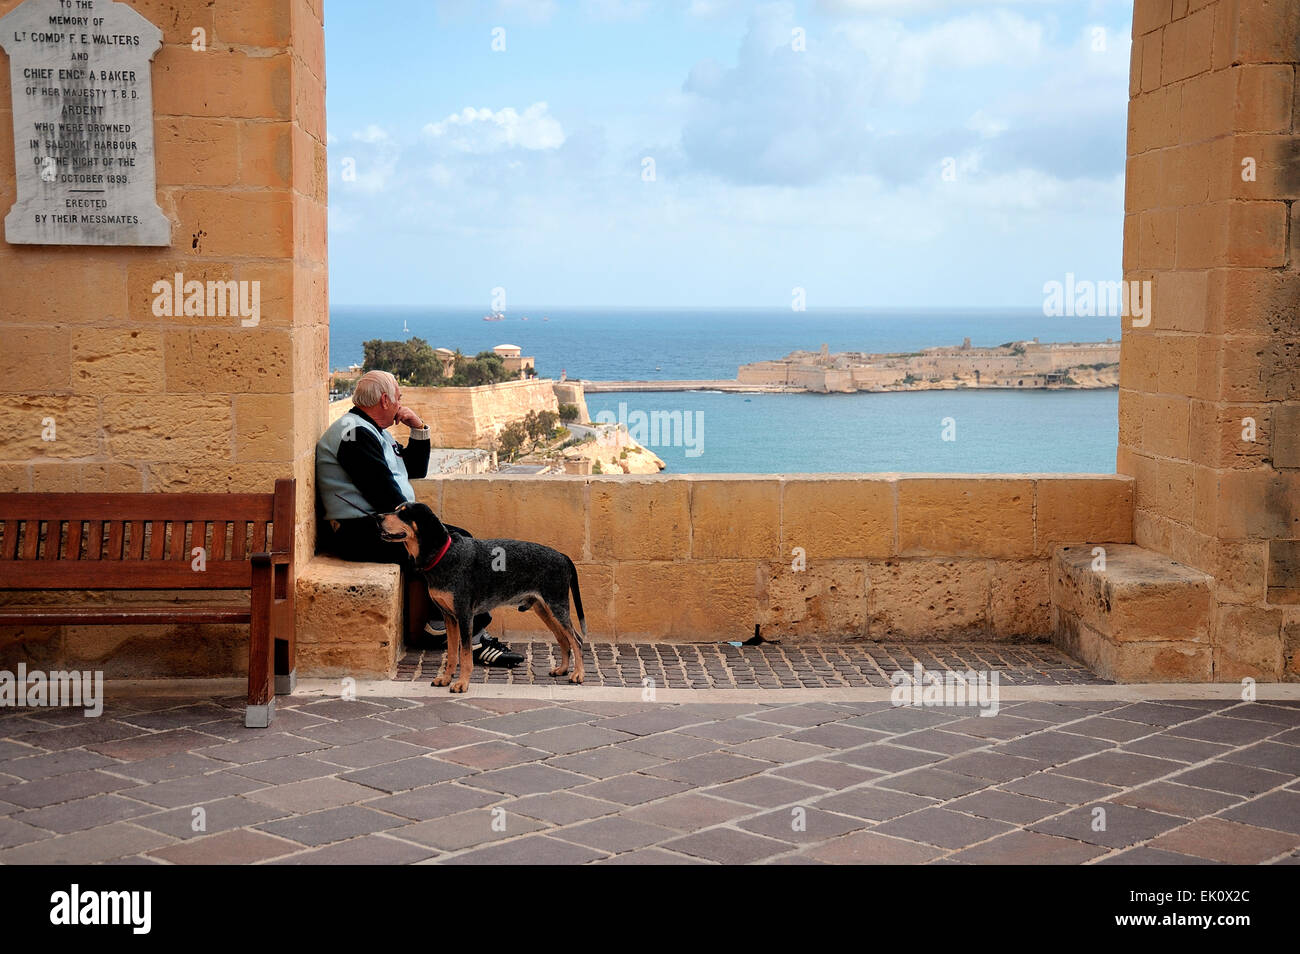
(451, 657)
(465, 625)
(568, 642)
(561, 637)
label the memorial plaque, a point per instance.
(83, 124)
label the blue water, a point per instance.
(992, 431)
(995, 431)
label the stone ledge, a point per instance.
(349, 619)
(1143, 618)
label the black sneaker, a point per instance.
(490, 652)
(434, 636)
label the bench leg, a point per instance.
(286, 674)
(259, 717)
(284, 633)
(261, 662)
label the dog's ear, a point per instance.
(428, 527)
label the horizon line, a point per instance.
(539, 308)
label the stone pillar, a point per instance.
(197, 402)
(1210, 389)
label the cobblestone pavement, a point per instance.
(772, 665)
(497, 780)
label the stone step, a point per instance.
(349, 619)
(1131, 614)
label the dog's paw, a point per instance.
(441, 680)
(460, 685)
(576, 677)
(559, 670)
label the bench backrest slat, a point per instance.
(157, 532)
(221, 530)
(177, 540)
(136, 506)
(71, 543)
(140, 541)
(116, 530)
(125, 574)
(94, 539)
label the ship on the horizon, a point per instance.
(495, 316)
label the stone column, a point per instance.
(144, 401)
(1210, 389)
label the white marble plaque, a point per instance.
(83, 124)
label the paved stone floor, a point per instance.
(499, 780)
(773, 665)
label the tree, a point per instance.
(568, 412)
(486, 368)
(512, 438)
(412, 362)
(539, 425)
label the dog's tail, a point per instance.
(577, 599)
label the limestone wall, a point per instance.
(571, 392)
(471, 417)
(887, 557)
(143, 402)
(148, 403)
(764, 372)
(861, 371)
(1209, 412)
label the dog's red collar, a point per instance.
(434, 562)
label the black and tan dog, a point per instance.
(470, 576)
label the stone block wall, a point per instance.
(143, 402)
(1209, 411)
(472, 417)
(801, 556)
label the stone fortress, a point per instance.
(1199, 525)
(1020, 364)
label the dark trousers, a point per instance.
(358, 540)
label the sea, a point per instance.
(958, 431)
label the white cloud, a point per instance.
(367, 162)
(482, 130)
(984, 124)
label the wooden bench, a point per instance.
(162, 542)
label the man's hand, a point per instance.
(408, 417)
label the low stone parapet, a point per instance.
(802, 557)
(349, 619)
(1131, 614)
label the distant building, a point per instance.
(447, 358)
(513, 359)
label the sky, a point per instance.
(708, 153)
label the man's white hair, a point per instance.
(373, 385)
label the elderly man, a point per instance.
(362, 470)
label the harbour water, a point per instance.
(958, 431)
